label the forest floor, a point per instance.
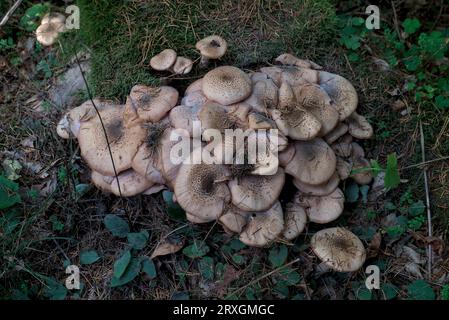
(52, 217)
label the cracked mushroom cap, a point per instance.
(212, 47)
(322, 209)
(359, 127)
(163, 60)
(233, 220)
(51, 26)
(131, 184)
(339, 249)
(182, 65)
(263, 227)
(201, 189)
(314, 162)
(256, 192)
(318, 190)
(226, 85)
(341, 91)
(289, 59)
(124, 141)
(295, 220)
(151, 103)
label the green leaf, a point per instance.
(116, 225)
(278, 256)
(236, 245)
(238, 259)
(390, 291)
(174, 210)
(89, 257)
(412, 63)
(138, 240)
(55, 290)
(8, 193)
(196, 250)
(420, 290)
(416, 208)
(442, 102)
(206, 267)
(411, 25)
(30, 20)
(12, 169)
(392, 178)
(148, 267)
(290, 276)
(121, 264)
(81, 189)
(357, 21)
(352, 192)
(131, 272)
(364, 294)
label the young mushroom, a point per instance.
(182, 65)
(339, 249)
(322, 209)
(211, 48)
(51, 26)
(295, 220)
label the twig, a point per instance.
(429, 214)
(396, 25)
(424, 163)
(10, 12)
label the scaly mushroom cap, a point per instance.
(131, 184)
(226, 85)
(194, 99)
(151, 103)
(264, 95)
(297, 123)
(322, 209)
(317, 102)
(216, 116)
(314, 162)
(101, 182)
(212, 47)
(123, 141)
(335, 134)
(359, 127)
(289, 59)
(341, 91)
(233, 220)
(182, 65)
(256, 192)
(339, 249)
(296, 76)
(273, 73)
(196, 85)
(263, 227)
(163, 60)
(318, 190)
(51, 26)
(201, 189)
(259, 121)
(295, 220)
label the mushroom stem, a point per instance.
(204, 62)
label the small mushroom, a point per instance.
(263, 227)
(212, 47)
(339, 249)
(226, 85)
(163, 60)
(182, 65)
(51, 26)
(359, 127)
(322, 209)
(318, 190)
(295, 220)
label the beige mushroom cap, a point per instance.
(341, 91)
(289, 59)
(196, 85)
(51, 26)
(216, 116)
(123, 141)
(101, 182)
(195, 219)
(359, 127)
(201, 189)
(233, 220)
(131, 184)
(314, 162)
(344, 168)
(287, 155)
(339, 249)
(264, 95)
(151, 103)
(318, 190)
(295, 220)
(182, 65)
(297, 123)
(335, 134)
(194, 99)
(163, 60)
(226, 85)
(212, 47)
(322, 209)
(295, 76)
(256, 192)
(263, 227)
(257, 120)
(273, 73)
(182, 117)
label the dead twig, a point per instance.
(10, 12)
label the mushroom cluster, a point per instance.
(307, 117)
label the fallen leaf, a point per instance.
(374, 245)
(166, 246)
(412, 255)
(413, 269)
(46, 188)
(398, 105)
(229, 275)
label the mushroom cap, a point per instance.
(342, 149)
(314, 162)
(339, 249)
(123, 141)
(318, 190)
(263, 227)
(182, 117)
(148, 164)
(341, 91)
(63, 128)
(131, 184)
(264, 95)
(170, 169)
(233, 220)
(194, 99)
(201, 189)
(273, 73)
(182, 65)
(256, 192)
(289, 59)
(216, 116)
(195, 219)
(322, 209)
(295, 76)
(151, 103)
(257, 120)
(101, 182)
(297, 123)
(359, 127)
(212, 47)
(344, 168)
(51, 26)
(163, 60)
(295, 220)
(336, 133)
(287, 155)
(286, 96)
(226, 85)
(155, 188)
(196, 85)
(364, 176)
(357, 151)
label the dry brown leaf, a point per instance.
(229, 275)
(374, 245)
(166, 246)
